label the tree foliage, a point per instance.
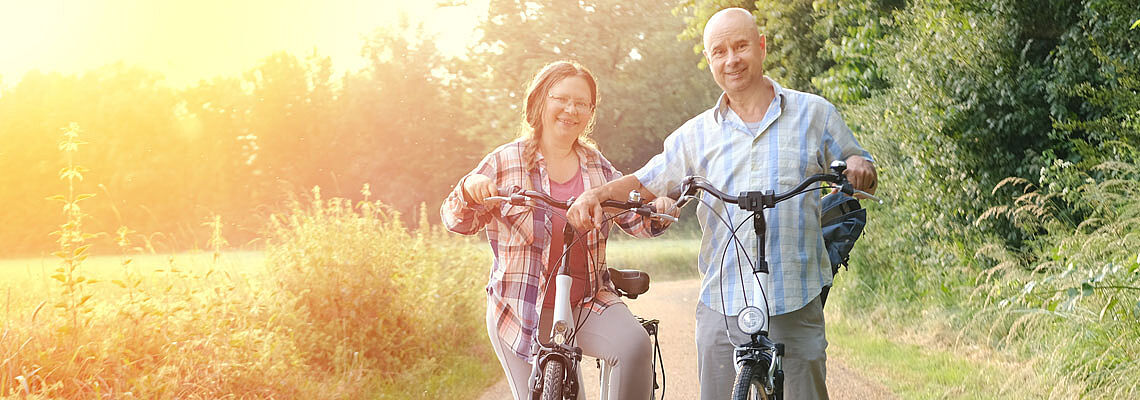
(409, 123)
(959, 99)
(647, 87)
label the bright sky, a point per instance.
(189, 40)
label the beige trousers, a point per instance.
(614, 336)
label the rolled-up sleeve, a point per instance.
(461, 216)
(839, 142)
(633, 224)
(665, 171)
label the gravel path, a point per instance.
(673, 303)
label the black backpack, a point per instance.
(842, 220)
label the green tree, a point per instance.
(849, 50)
(217, 119)
(824, 46)
(1098, 26)
(128, 117)
(402, 124)
(647, 87)
(290, 120)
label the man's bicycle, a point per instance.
(758, 362)
(554, 375)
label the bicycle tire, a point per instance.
(749, 383)
(553, 376)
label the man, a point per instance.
(759, 136)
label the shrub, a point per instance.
(374, 294)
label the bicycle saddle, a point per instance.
(629, 282)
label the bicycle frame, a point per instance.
(760, 350)
(562, 332)
(563, 326)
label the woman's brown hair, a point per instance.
(537, 96)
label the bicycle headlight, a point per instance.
(558, 334)
(751, 320)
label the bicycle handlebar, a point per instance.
(635, 204)
(755, 201)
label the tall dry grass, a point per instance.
(349, 304)
(375, 297)
(1073, 296)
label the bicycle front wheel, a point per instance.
(553, 375)
(750, 383)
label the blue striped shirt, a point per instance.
(799, 135)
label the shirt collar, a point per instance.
(720, 111)
(585, 157)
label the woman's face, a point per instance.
(568, 110)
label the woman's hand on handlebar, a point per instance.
(478, 188)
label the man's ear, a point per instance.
(763, 48)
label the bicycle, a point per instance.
(758, 363)
(554, 374)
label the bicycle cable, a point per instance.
(734, 239)
(740, 272)
(592, 258)
(581, 320)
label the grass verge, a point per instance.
(454, 376)
(923, 356)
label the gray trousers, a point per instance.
(805, 358)
(614, 336)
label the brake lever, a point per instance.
(858, 192)
(666, 217)
(514, 199)
(682, 201)
(869, 196)
(647, 211)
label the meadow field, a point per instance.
(345, 302)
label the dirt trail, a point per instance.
(673, 303)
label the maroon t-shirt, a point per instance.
(562, 191)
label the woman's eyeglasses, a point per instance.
(578, 105)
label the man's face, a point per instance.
(735, 51)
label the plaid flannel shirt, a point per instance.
(520, 238)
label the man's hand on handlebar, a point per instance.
(586, 212)
(861, 173)
(664, 205)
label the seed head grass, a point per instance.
(345, 302)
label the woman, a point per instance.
(552, 155)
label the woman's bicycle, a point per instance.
(758, 362)
(554, 375)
